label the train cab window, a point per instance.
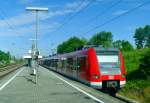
(109, 62)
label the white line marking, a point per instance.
(77, 88)
(5, 84)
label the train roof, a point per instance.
(106, 49)
(81, 52)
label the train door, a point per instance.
(82, 68)
(55, 64)
(75, 68)
(64, 62)
(59, 65)
(78, 66)
(69, 69)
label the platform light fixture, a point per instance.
(37, 10)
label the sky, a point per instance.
(65, 19)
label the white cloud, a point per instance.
(18, 20)
(28, 17)
(28, 30)
(72, 5)
(119, 12)
(77, 5)
(26, 1)
(23, 23)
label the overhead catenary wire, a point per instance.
(69, 16)
(117, 17)
(3, 16)
(103, 12)
(75, 9)
(79, 9)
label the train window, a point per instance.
(64, 63)
(59, 63)
(107, 52)
(55, 63)
(75, 64)
(109, 64)
(78, 63)
(108, 58)
(70, 63)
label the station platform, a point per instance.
(20, 87)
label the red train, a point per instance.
(98, 67)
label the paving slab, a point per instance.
(48, 89)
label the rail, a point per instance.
(8, 69)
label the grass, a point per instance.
(138, 78)
(7, 66)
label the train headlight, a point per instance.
(96, 76)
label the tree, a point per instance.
(147, 35)
(102, 38)
(126, 46)
(139, 38)
(62, 47)
(142, 37)
(117, 44)
(123, 45)
(72, 44)
(5, 57)
(144, 67)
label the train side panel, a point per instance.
(94, 71)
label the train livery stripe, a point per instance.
(77, 88)
(96, 83)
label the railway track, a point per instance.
(125, 99)
(120, 97)
(8, 69)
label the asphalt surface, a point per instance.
(20, 87)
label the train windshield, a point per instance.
(109, 62)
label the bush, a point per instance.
(137, 65)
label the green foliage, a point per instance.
(147, 35)
(137, 65)
(139, 38)
(102, 38)
(4, 57)
(134, 61)
(137, 90)
(71, 44)
(123, 45)
(145, 64)
(142, 37)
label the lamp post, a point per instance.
(36, 10)
(35, 51)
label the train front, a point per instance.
(108, 67)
